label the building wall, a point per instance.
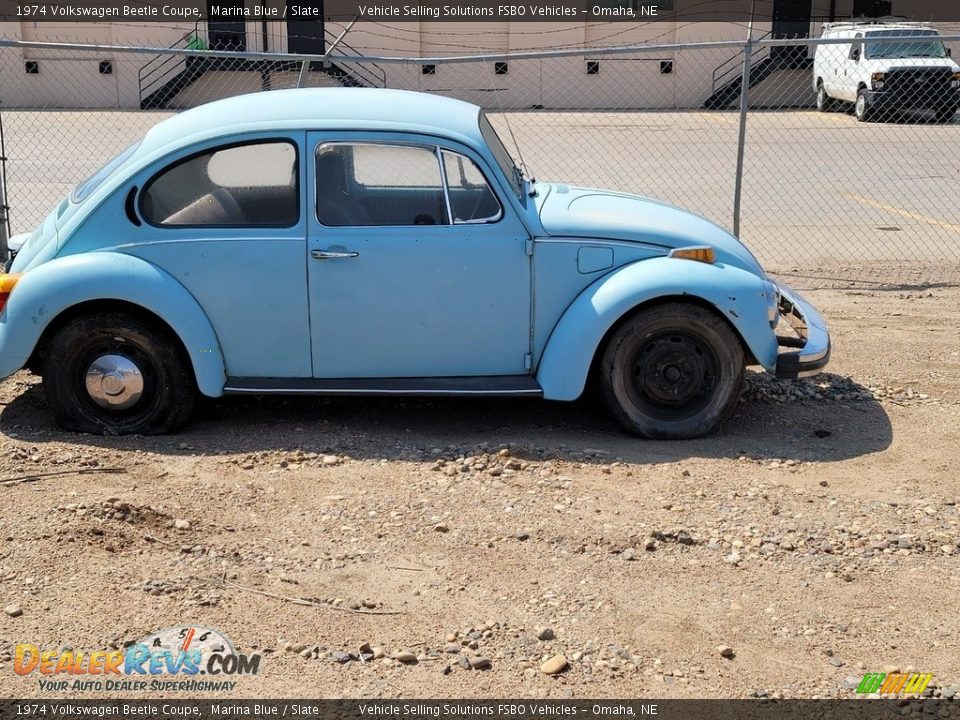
(72, 79)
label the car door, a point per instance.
(851, 68)
(417, 267)
(226, 218)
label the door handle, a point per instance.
(332, 255)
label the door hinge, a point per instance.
(529, 246)
(528, 361)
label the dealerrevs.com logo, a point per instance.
(894, 683)
(184, 658)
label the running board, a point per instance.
(513, 386)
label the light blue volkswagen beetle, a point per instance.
(377, 242)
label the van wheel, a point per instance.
(862, 108)
(672, 371)
(824, 103)
(115, 374)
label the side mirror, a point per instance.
(949, 52)
(855, 54)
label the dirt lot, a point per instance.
(817, 536)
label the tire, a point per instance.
(861, 108)
(824, 103)
(945, 115)
(91, 381)
(672, 371)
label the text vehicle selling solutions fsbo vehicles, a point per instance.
(358, 241)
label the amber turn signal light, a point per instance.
(700, 254)
(7, 283)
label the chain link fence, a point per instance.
(833, 191)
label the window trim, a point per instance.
(279, 140)
(437, 151)
(491, 220)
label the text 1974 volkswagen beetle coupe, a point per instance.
(355, 241)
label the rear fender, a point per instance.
(738, 295)
(46, 291)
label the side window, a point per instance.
(857, 48)
(238, 186)
(471, 199)
(367, 184)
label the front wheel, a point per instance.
(672, 371)
(116, 374)
(862, 109)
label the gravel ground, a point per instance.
(456, 548)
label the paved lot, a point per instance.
(823, 194)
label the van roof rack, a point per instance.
(884, 20)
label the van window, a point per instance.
(856, 48)
(916, 44)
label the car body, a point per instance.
(359, 241)
(913, 72)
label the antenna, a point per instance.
(516, 145)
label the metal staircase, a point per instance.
(728, 75)
(764, 61)
(164, 77)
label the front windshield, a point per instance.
(911, 47)
(82, 191)
(502, 156)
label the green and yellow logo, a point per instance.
(894, 683)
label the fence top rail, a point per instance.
(436, 60)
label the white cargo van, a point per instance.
(914, 71)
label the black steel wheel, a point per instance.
(672, 371)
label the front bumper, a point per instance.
(812, 338)
(926, 99)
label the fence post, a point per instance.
(741, 142)
(304, 69)
(4, 209)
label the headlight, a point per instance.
(877, 80)
(773, 304)
(956, 80)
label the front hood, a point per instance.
(15, 242)
(885, 64)
(38, 247)
(581, 212)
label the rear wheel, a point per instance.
(116, 374)
(824, 103)
(672, 371)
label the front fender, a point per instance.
(47, 290)
(740, 296)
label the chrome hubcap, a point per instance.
(114, 382)
(861, 105)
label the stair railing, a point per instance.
(155, 73)
(364, 74)
(732, 68)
